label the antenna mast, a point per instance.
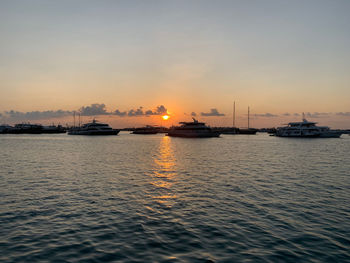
(248, 117)
(234, 114)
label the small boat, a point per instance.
(54, 129)
(4, 128)
(307, 129)
(26, 128)
(145, 130)
(93, 128)
(248, 131)
(193, 129)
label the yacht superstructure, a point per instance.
(193, 129)
(307, 129)
(93, 128)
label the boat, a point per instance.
(26, 128)
(248, 131)
(4, 128)
(307, 129)
(93, 128)
(145, 130)
(54, 129)
(193, 129)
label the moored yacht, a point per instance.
(145, 130)
(307, 129)
(4, 128)
(93, 128)
(193, 129)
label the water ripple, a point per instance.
(161, 199)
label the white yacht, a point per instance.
(193, 129)
(307, 129)
(93, 128)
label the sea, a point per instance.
(154, 198)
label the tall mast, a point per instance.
(248, 117)
(74, 118)
(234, 114)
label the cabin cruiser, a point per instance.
(93, 128)
(26, 128)
(193, 129)
(307, 129)
(54, 129)
(4, 128)
(145, 130)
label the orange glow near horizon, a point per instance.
(165, 117)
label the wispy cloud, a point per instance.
(344, 114)
(36, 115)
(213, 112)
(317, 114)
(266, 115)
(95, 109)
(120, 113)
(193, 114)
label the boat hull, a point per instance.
(194, 134)
(93, 133)
(144, 132)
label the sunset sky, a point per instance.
(279, 57)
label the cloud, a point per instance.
(36, 115)
(159, 110)
(317, 114)
(286, 114)
(193, 114)
(266, 115)
(344, 114)
(93, 109)
(213, 112)
(120, 113)
(296, 114)
(137, 112)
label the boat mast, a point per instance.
(74, 119)
(248, 117)
(234, 114)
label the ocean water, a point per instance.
(135, 198)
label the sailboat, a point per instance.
(232, 130)
(248, 131)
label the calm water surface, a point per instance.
(134, 198)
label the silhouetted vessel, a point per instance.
(26, 128)
(4, 128)
(145, 130)
(193, 129)
(93, 128)
(54, 129)
(307, 129)
(248, 131)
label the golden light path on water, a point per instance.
(164, 173)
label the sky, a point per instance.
(193, 58)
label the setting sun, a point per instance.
(165, 117)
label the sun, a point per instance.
(165, 117)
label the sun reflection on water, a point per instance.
(164, 173)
